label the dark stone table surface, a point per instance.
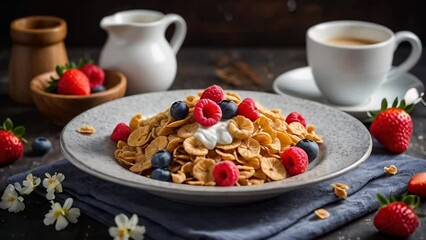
(196, 69)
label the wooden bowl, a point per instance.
(62, 108)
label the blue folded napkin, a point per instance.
(290, 216)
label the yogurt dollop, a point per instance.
(216, 134)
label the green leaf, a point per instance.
(59, 70)
(409, 108)
(72, 65)
(382, 200)
(402, 105)
(393, 199)
(395, 103)
(8, 124)
(409, 200)
(19, 131)
(384, 104)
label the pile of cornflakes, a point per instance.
(255, 148)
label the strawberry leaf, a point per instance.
(402, 104)
(382, 200)
(19, 131)
(384, 104)
(409, 108)
(395, 103)
(8, 124)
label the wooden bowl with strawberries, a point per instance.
(61, 106)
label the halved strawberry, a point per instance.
(417, 185)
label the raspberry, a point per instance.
(214, 93)
(225, 173)
(295, 160)
(207, 112)
(121, 132)
(295, 117)
(95, 74)
(248, 109)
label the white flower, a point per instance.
(30, 184)
(52, 184)
(127, 228)
(61, 214)
(11, 200)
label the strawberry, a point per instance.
(397, 218)
(95, 74)
(71, 80)
(11, 142)
(417, 185)
(74, 82)
(121, 132)
(393, 126)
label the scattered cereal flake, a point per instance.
(340, 190)
(322, 213)
(341, 193)
(139, 136)
(134, 122)
(241, 127)
(86, 129)
(273, 168)
(203, 170)
(340, 185)
(391, 170)
(194, 146)
(178, 177)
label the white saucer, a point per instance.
(300, 83)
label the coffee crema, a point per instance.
(350, 41)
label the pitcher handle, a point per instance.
(180, 30)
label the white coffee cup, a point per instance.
(351, 59)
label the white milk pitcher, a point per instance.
(137, 47)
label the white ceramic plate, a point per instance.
(347, 143)
(300, 83)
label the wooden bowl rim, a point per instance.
(41, 77)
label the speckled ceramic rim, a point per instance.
(347, 143)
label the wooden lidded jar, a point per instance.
(38, 46)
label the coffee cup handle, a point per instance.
(412, 59)
(180, 30)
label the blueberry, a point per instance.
(311, 148)
(41, 146)
(229, 109)
(162, 174)
(99, 88)
(179, 110)
(161, 159)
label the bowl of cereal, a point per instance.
(62, 108)
(187, 173)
